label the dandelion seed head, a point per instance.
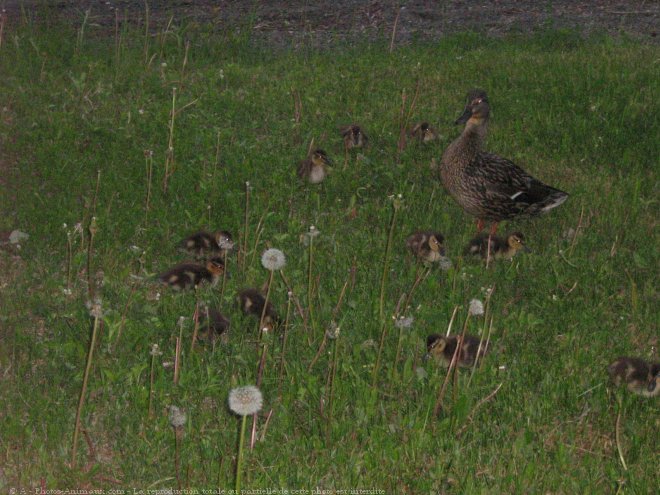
(445, 263)
(177, 417)
(155, 350)
(476, 307)
(273, 259)
(404, 322)
(95, 307)
(245, 401)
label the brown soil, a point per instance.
(319, 23)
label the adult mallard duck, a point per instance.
(499, 247)
(637, 375)
(487, 186)
(315, 168)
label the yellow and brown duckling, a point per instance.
(442, 349)
(637, 375)
(485, 185)
(354, 136)
(426, 245)
(423, 132)
(252, 302)
(191, 275)
(204, 244)
(315, 168)
(500, 247)
(213, 325)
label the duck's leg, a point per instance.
(480, 225)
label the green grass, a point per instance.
(579, 114)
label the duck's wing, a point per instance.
(502, 183)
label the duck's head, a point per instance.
(516, 241)
(477, 108)
(435, 243)
(216, 266)
(435, 345)
(320, 157)
(223, 240)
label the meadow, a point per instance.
(150, 138)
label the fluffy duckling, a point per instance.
(426, 245)
(353, 136)
(487, 186)
(202, 244)
(499, 246)
(442, 349)
(315, 168)
(191, 275)
(212, 325)
(423, 132)
(252, 302)
(640, 377)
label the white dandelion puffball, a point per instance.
(245, 401)
(177, 417)
(476, 307)
(273, 259)
(404, 322)
(445, 263)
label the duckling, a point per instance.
(442, 349)
(640, 377)
(426, 245)
(315, 168)
(423, 132)
(202, 244)
(252, 302)
(212, 325)
(485, 185)
(353, 136)
(499, 247)
(191, 275)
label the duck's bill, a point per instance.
(464, 118)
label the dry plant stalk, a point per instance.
(83, 390)
(396, 22)
(169, 154)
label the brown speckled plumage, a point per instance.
(204, 244)
(315, 168)
(487, 186)
(423, 132)
(637, 375)
(500, 247)
(442, 349)
(354, 136)
(252, 302)
(191, 275)
(212, 325)
(426, 245)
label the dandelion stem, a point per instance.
(239, 461)
(83, 390)
(150, 410)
